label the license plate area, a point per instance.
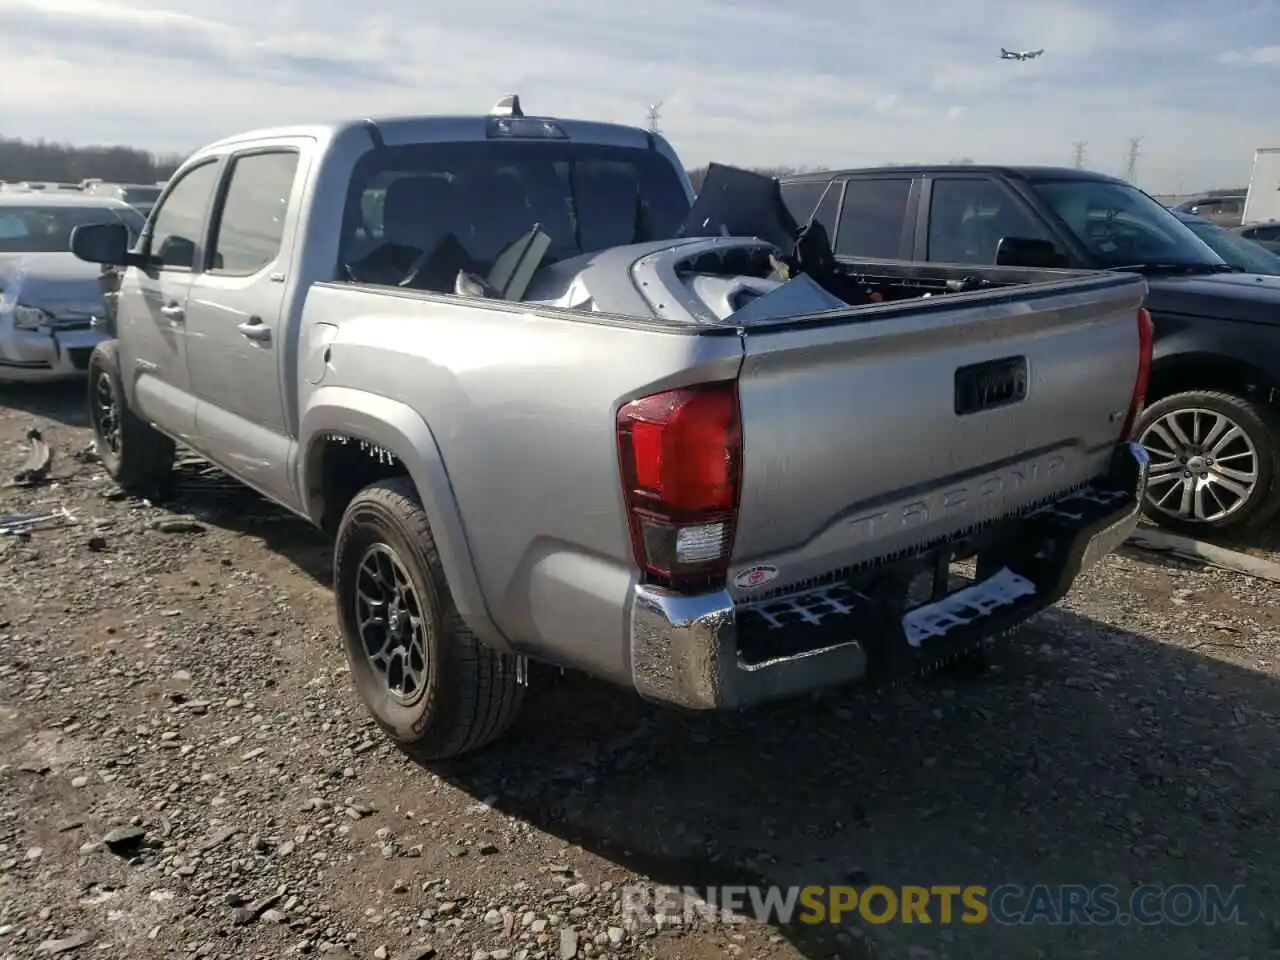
(990, 385)
(939, 573)
(958, 608)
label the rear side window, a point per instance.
(485, 195)
(802, 198)
(872, 218)
(250, 227)
(829, 209)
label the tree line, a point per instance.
(66, 163)
(42, 160)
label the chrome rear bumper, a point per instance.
(685, 650)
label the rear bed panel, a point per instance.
(853, 447)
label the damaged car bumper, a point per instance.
(708, 652)
(45, 354)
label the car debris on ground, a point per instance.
(36, 466)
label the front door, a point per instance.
(235, 331)
(151, 310)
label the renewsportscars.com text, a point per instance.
(1009, 904)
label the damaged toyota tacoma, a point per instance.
(553, 409)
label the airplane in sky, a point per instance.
(1016, 55)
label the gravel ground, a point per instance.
(185, 770)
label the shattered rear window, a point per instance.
(586, 197)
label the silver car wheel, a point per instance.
(1204, 467)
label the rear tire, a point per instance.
(431, 685)
(137, 456)
(1193, 438)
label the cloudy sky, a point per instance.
(798, 82)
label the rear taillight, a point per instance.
(681, 459)
(1146, 338)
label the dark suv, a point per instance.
(1212, 424)
(1225, 211)
(1266, 234)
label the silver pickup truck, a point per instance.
(553, 409)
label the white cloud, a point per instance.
(1267, 56)
(742, 81)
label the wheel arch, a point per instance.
(1213, 371)
(349, 438)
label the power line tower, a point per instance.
(654, 114)
(1131, 164)
(1079, 146)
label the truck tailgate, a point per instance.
(869, 433)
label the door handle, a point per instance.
(173, 311)
(255, 330)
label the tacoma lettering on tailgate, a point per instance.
(980, 498)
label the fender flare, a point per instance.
(400, 430)
(1189, 349)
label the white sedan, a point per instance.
(49, 298)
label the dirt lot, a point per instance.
(185, 771)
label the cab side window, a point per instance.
(250, 225)
(179, 220)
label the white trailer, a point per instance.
(1263, 201)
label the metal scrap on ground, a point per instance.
(18, 523)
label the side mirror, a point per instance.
(1029, 252)
(177, 252)
(106, 243)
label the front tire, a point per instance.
(430, 684)
(138, 457)
(1215, 462)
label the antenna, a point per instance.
(1079, 146)
(654, 114)
(1131, 164)
(508, 106)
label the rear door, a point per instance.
(236, 352)
(875, 219)
(151, 309)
